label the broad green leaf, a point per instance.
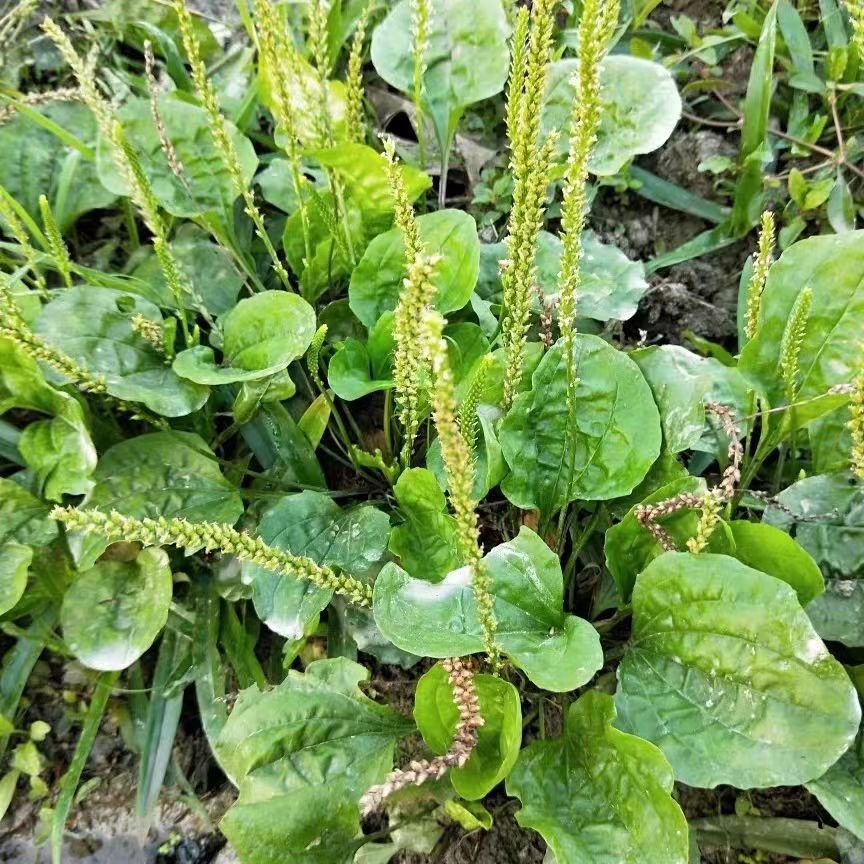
(161, 474)
(630, 547)
(641, 108)
(114, 611)
(302, 754)
(832, 267)
(59, 450)
(679, 394)
(766, 548)
(840, 790)
(727, 676)
(377, 281)
(832, 525)
(466, 59)
(556, 651)
(261, 335)
(34, 162)
(94, 326)
(838, 614)
(364, 173)
(498, 739)
(598, 795)
(667, 469)
(14, 563)
(23, 518)
(204, 169)
(611, 285)
(311, 524)
(617, 435)
(360, 625)
(358, 369)
(207, 268)
(426, 542)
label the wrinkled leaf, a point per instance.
(94, 326)
(23, 518)
(34, 162)
(832, 530)
(206, 267)
(466, 58)
(556, 651)
(611, 285)
(161, 474)
(498, 739)
(617, 435)
(426, 542)
(727, 676)
(114, 611)
(679, 394)
(838, 614)
(302, 754)
(841, 790)
(598, 795)
(312, 525)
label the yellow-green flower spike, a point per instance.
(420, 36)
(759, 276)
(88, 91)
(355, 122)
(314, 353)
(55, 242)
(22, 238)
(219, 132)
(516, 79)
(279, 56)
(530, 164)
(320, 52)
(415, 298)
(856, 423)
(708, 520)
(469, 422)
(793, 339)
(856, 16)
(596, 26)
(459, 467)
(192, 536)
(149, 331)
(599, 18)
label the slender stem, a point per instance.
(131, 225)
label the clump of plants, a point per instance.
(292, 424)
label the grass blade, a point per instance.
(70, 780)
(676, 197)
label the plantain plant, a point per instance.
(298, 425)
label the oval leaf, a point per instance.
(641, 108)
(313, 525)
(377, 280)
(162, 474)
(114, 611)
(87, 323)
(498, 739)
(556, 651)
(728, 677)
(617, 435)
(600, 796)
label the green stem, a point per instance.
(131, 225)
(72, 777)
